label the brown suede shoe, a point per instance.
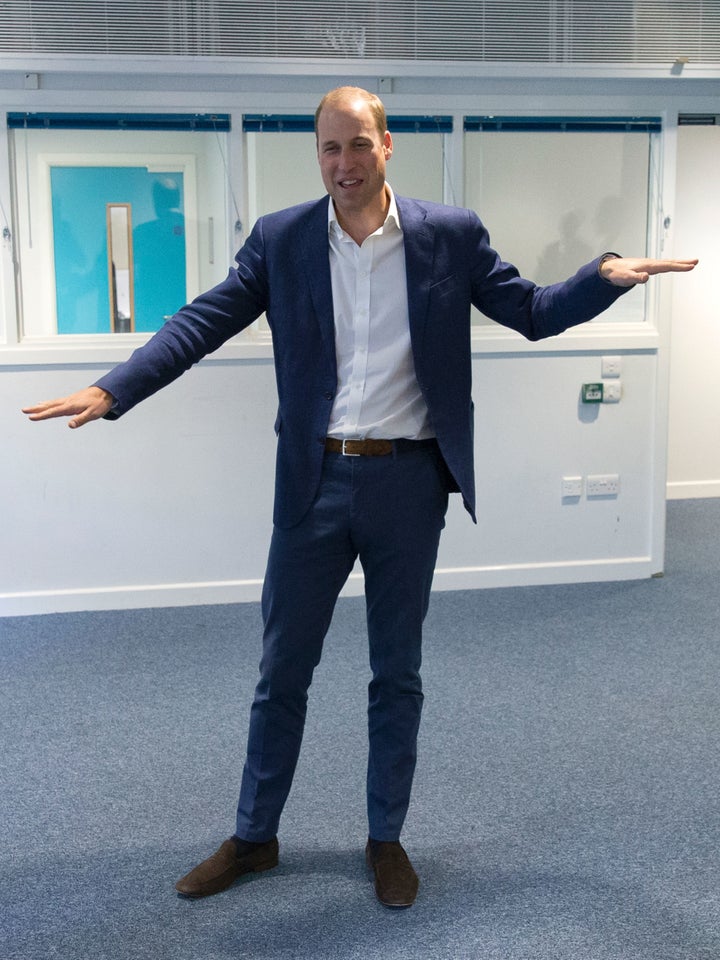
(396, 883)
(225, 866)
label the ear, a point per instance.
(387, 145)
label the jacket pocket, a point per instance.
(443, 288)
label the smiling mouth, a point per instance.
(349, 183)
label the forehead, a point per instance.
(347, 119)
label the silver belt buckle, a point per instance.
(345, 452)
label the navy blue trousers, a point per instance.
(388, 512)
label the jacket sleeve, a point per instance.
(195, 330)
(500, 293)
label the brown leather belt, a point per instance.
(373, 447)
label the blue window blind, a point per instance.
(569, 124)
(293, 123)
(119, 121)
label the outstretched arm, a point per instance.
(627, 271)
(92, 403)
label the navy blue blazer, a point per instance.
(283, 270)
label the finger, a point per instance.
(35, 408)
(95, 409)
(48, 409)
(84, 417)
(670, 266)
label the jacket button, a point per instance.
(329, 396)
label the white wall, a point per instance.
(694, 449)
(172, 504)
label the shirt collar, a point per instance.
(392, 219)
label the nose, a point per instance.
(345, 160)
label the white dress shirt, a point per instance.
(378, 393)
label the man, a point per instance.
(368, 298)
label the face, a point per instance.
(352, 156)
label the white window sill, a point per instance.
(492, 339)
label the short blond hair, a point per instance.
(344, 94)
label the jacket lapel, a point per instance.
(315, 257)
(419, 242)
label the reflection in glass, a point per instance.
(553, 200)
(120, 267)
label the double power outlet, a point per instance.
(595, 485)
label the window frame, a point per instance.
(491, 339)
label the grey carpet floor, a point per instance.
(566, 804)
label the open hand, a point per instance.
(627, 271)
(92, 403)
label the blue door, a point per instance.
(79, 203)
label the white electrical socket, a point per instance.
(612, 391)
(611, 366)
(572, 487)
(603, 485)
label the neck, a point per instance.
(359, 224)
